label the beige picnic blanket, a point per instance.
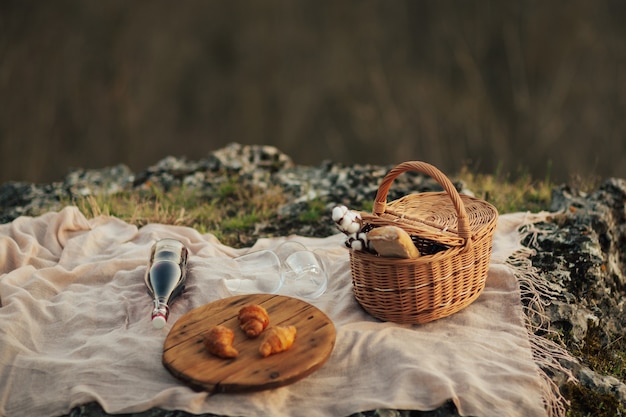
(75, 328)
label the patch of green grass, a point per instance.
(583, 399)
(315, 211)
(241, 222)
(139, 208)
(234, 207)
(507, 194)
(231, 211)
(605, 357)
(367, 206)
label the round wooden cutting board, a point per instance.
(185, 356)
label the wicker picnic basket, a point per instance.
(454, 234)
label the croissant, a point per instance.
(277, 339)
(219, 342)
(253, 319)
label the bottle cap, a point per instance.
(158, 321)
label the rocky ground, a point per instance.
(578, 252)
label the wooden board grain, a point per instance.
(185, 356)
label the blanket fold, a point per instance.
(75, 327)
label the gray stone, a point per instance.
(580, 252)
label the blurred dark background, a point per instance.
(513, 87)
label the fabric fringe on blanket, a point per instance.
(536, 294)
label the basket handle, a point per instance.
(380, 202)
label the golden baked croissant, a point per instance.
(253, 319)
(219, 342)
(277, 339)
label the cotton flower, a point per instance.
(348, 221)
(357, 241)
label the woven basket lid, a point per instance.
(446, 217)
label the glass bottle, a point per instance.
(165, 277)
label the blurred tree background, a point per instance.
(494, 85)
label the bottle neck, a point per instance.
(160, 312)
